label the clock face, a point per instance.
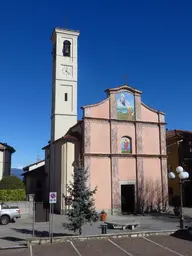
(67, 71)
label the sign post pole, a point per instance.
(33, 218)
(50, 208)
(31, 199)
(52, 224)
(52, 200)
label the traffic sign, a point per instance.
(52, 197)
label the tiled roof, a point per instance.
(178, 133)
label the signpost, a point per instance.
(31, 198)
(52, 200)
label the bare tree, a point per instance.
(152, 196)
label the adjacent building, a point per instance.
(121, 141)
(6, 152)
(35, 180)
(179, 151)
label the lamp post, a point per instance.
(183, 175)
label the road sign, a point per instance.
(52, 197)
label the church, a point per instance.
(121, 141)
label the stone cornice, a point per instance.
(124, 155)
(123, 121)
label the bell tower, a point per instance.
(64, 81)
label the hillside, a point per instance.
(17, 172)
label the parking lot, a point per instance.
(16, 233)
(149, 246)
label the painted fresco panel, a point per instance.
(125, 145)
(125, 106)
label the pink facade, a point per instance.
(124, 143)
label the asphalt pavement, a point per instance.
(16, 233)
(142, 246)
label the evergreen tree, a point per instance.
(82, 202)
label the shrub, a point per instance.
(12, 195)
(83, 204)
(11, 182)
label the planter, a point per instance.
(103, 216)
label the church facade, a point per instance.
(121, 141)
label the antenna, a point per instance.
(38, 158)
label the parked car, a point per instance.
(8, 213)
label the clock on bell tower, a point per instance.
(64, 81)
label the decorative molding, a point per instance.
(127, 155)
(139, 138)
(114, 139)
(113, 106)
(116, 197)
(127, 182)
(87, 164)
(149, 125)
(113, 120)
(116, 122)
(96, 104)
(163, 140)
(124, 87)
(164, 179)
(132, 125)
(137, 107)
(152, 109)
(87, 112)
(140, 167)
(87, 136)
(96, 121)
(161, 117)
(140, 181)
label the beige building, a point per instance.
(6, 152)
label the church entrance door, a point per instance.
(127, 198)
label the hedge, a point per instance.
(11, 182)
(12, 195)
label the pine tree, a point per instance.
(82, 202)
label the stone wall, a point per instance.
(26, 207)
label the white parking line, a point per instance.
(164, 247)
(75, 249)
(120, 248)
(30, 250)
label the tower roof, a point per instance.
(123, 87)
(64, 31)
(5, 146)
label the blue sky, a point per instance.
(148, 41)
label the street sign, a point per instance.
(52, 197)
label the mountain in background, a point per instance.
(17, 172)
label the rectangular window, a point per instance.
(66, 96)
(170, 168)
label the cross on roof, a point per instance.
(125, 79)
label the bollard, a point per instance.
(104, 229)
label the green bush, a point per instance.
(12, 195)
(11, 182)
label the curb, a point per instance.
(40, 241)
(13, 247)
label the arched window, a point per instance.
(126, 145)
(66, 48)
